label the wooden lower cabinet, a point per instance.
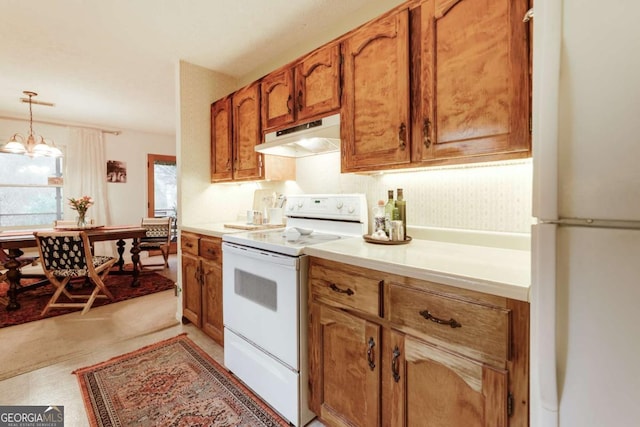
(212, 300)
(191, 289)
(428, 386)
(202, 283)
(370, 370)
(345, 368)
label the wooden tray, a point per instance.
(367, 238)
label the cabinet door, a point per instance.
(317, 83)
(437, 388)
(247, 134)
(212, 300)
(221, 141)
(344, 368)
(278, 107)
(376, 95)
(474, 80)
(191, 289)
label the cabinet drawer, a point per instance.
(211, 248)
(480, 331)
(189, 243)
(345, 289)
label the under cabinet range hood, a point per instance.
(315, 137)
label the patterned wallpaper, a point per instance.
(487, 197)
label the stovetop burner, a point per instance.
(311, 220)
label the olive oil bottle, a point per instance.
(401, 205)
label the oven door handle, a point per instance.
(265, 256)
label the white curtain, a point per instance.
(85, 175)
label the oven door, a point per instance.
(261, 297)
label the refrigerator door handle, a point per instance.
(544, 389)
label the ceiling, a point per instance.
(112, 64)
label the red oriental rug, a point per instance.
(170, 383)
(32, 302)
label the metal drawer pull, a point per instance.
(395, 365)
(372, 344)
(451, 322)
(335, 288)
(189, 245)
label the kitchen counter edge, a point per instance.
(494, 271)
(212, 230)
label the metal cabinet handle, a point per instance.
(198, 276)
(289, 104)
(335, 288)
(402, 136)
(451, 322)
(228, 164)
(370, 354)
(426, 134)
(300, 105)
(395, 364)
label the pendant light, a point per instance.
(33, 145)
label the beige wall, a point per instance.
(201, 202)
(127, 201)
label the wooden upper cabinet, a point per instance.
(305, 90)
(221, 141)
(474, 81)
(317, 80)
(247, 164)
(375, 120)
(278, 99)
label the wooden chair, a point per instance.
(23, 261)
(158, 238)
(65, 255)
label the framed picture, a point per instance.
(116, 171)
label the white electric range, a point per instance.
(265, 297)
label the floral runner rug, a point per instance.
(170, 383)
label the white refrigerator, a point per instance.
(585, 296)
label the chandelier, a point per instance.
(33, 145)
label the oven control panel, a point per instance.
(345, 207)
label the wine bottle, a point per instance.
(401, 204)
(388, 212)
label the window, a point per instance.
(162, 191)
(30, 190)
(163, 186)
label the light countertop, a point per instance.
(212, 229)
(496, 271)
(492, 270)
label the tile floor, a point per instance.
(38, 357)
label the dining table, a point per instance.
(12, 242)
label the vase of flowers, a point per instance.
(81, 205)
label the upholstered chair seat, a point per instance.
(65, 255)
